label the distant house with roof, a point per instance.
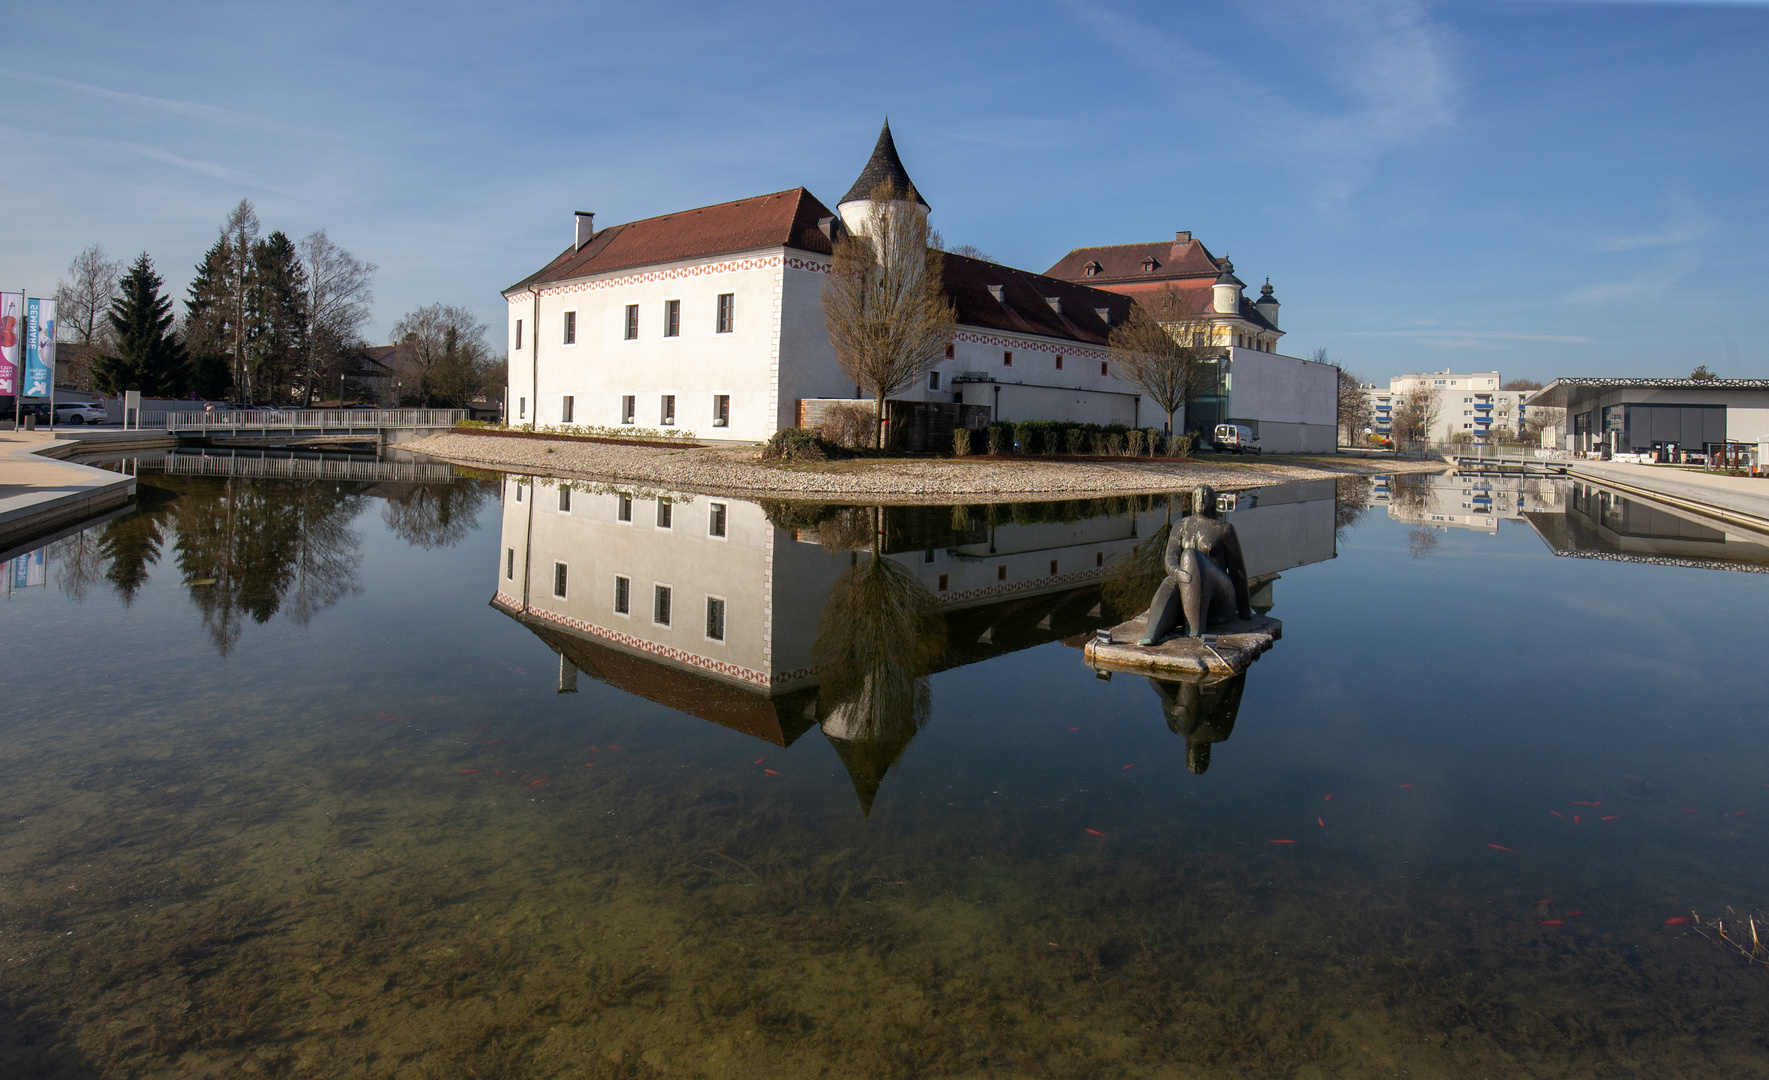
(711, 320)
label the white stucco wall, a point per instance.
(1293, 402)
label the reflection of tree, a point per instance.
(1421, 541)
(1351, 499)
(880, 635)
(1132, 580)
(258, 542)
(435, 515)
(132, 542)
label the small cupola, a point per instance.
(1267, 304)
(1227, 299)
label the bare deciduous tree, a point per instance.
(1166, 352)
(84, 298)
(338, 298)
(1415, 413)
(1355, 412)
(442, 353)
(884, 302)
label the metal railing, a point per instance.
(292, 467)
(302, 419)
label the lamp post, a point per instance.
(398, 391)
(340, 389)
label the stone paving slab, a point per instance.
(39, 493)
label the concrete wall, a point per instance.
(1294, 403)
(1019, 401)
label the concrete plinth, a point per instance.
(1237, 645)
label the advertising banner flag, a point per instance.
(39, 347)
(11, 312)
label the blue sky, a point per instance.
(1548, 188)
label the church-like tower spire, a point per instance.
(884, 167)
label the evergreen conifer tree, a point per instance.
(276, 316)
(145, 354)
(205, 333)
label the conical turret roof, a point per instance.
(885, 167)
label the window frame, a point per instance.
(933, 380)
(1007, 358)
(623, 509)
(509, 564)
(666, 410)
(721, 410)
(718, 521)
(630, 323)
(565, 498)
(672, 318)
(629, 408)
(518, 345)
(561, 580)
(725, 321)
(724, 612)
(663, 598)
(666, 515)
(568, 327)
(623, 597)
(567, 408)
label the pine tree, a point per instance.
(206, 333)
(146, 355)
(276, 316)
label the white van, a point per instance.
(1236, 439)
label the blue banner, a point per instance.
(39, 347)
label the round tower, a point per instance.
(1267, 304)
(1228, 290)
(884, 167)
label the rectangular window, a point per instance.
(1059, 363)
(933, 380)
(1007, 358)
(566, 408)
(943, 578)
(623, 595)
(559, 580)
(1102, 367)
(518, 334)
(564, 499)
(624, 510)
(518, 492)
(721, 410)
(521, 408)
(1053, 568)
(667, 410)
(570, 328)
(632, 322)
(629, 407)
(665, 512)
(715, 618)
(951, 351)
(715, 525)
(672, 318)
(727, 310)
(1001, 573)
(660, 605)
(509, 564)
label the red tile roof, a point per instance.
(1197, 298)
(1172, 259)
(1024, 307)
(786, 218)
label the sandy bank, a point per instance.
(736, 471)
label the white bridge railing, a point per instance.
(306, 468)
(223, 420)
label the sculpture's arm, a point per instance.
(1175, 550)
(1237, 573)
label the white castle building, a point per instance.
(711, 321)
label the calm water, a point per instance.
(320, 777)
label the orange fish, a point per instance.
(1550, 900)
(1558, 814)
(1678, 921)
(770, 772)
(1738, 813)
(1610, 817)
(1500, 847)
(1319, 822)
(1096, 832)
(465, 772)
(596, 749)
(1406, 785)
(1280, 841)
(589, 764)
(1132, 765)
(1078, 729)
(1329, 797)
(481, 727)
(494, 742)
(611, 746)
(497, 772)
(1578, 803)
(760, 760)
(1552, 922)
(1574, 914)
(1576, 820)
(537, 783)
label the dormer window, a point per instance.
(1091, 269)
(1150, 265)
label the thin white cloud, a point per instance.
(1672, 237)
(1652, 283)
(155, 153)
(1472, 336)
(1387, 67)
(193, 109)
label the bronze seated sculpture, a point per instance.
(1202, 713)
(1206, 576)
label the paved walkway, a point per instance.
(38, 493)
(1741, 500)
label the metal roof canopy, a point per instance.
(1561, 393)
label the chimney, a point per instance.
(999, 292)
(1183, 236)
(586, 228)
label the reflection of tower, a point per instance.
(1200, 712)
(868, 757)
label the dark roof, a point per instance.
(884, 167)
(1196, 299)
(1175, 259)
(786, 218)
(1024, 307)
(1557, 393)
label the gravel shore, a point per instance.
(736, 471)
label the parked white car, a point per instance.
(1236, 439)
(80, 412)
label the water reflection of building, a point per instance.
(1601, 524)
(1464, 501)
(707, 606)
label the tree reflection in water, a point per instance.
(880, 635)
(432, 516)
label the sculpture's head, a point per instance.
(1204, 501)
(1197, 757)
